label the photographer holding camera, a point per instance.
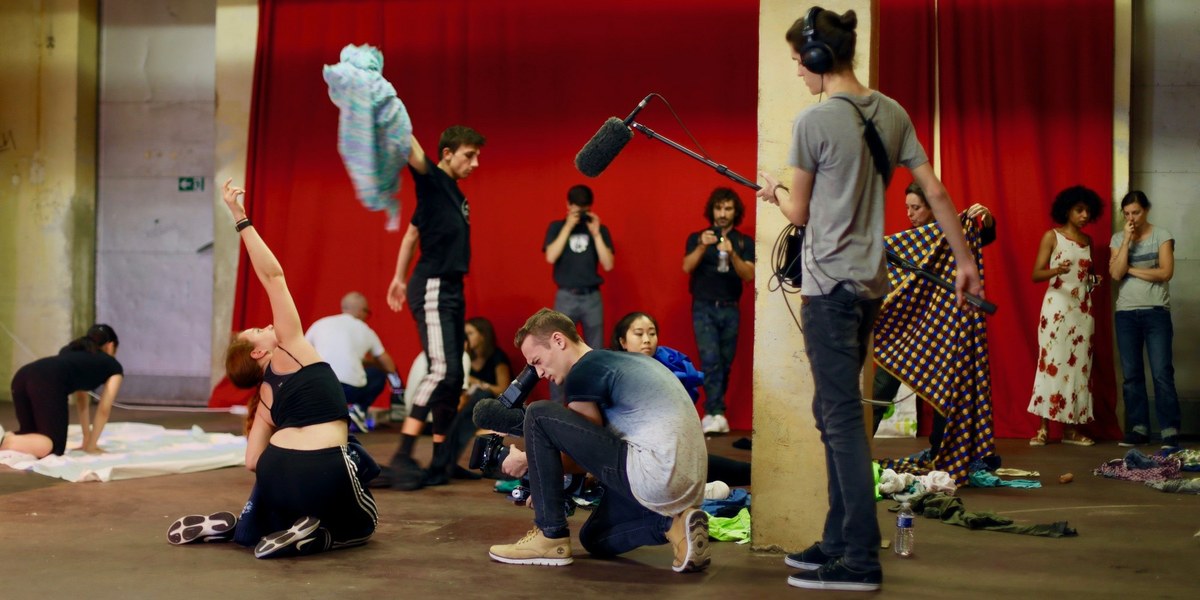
(628, 422)
(575, 245)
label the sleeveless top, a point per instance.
(309, 396)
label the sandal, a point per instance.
(1039, 439)
(1077, 439)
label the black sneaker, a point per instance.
(217, 527)
(809, 559)
(835, 575)
(406, 475)
(1134, 438)
(1170, 441)
(273, 543)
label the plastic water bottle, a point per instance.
(722, 261)
(904, 531)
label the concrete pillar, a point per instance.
(237, 42)
(47, 177)
(789, 459)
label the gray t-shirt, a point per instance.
(1134, 293)
(844, 239)
(646, 405)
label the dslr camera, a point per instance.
(488, 451)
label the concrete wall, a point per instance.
(1165, 153)
(789, 460)
(47, 177)
(154, 231)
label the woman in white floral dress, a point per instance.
(1061, 385)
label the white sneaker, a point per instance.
(716, 490)
(714, 424)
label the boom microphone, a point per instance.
(599, 152)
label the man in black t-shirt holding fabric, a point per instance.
(716, 286)
(435, 298)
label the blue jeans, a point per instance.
(362, 397)
(619, 524)
(716, 327)
(836, 329)
(1150, 328)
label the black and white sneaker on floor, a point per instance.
(272, 543)
(358, 418)
(835, 575)
(217, 527)
(809, 559)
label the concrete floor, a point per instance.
(107, 540)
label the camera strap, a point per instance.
(874, 143)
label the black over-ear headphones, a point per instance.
(815, 55)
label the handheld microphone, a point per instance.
(599, 152)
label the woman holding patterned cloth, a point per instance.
(1061, 385)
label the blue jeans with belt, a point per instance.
(1149, 328)
(836, 329)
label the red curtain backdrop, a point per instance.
(537, 78)
(1026, 111)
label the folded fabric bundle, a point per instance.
(984, 479)
(738, 499)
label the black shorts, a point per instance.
(41, 402)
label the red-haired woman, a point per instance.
(308, 494)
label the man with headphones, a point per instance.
(839, 178)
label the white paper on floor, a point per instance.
(133, 450)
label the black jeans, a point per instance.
(620, 523)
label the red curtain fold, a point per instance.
(537, 78)
(1026, 111)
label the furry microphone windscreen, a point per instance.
(608, 142)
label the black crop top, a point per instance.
(309, 396)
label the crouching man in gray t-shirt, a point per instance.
(630, 423)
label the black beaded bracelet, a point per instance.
(244, 223)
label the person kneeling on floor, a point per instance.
(627, 421)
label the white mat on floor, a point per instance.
(133, 450)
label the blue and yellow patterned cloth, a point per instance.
(938, 350)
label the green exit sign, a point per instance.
(191, 184)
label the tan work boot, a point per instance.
(688, 536)
(535, 549)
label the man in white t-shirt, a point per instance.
(346, 342)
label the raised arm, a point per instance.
(603, 252)
(416, 158)
(398, 288)
(284, 316)
(966, 278)
(556, 246)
